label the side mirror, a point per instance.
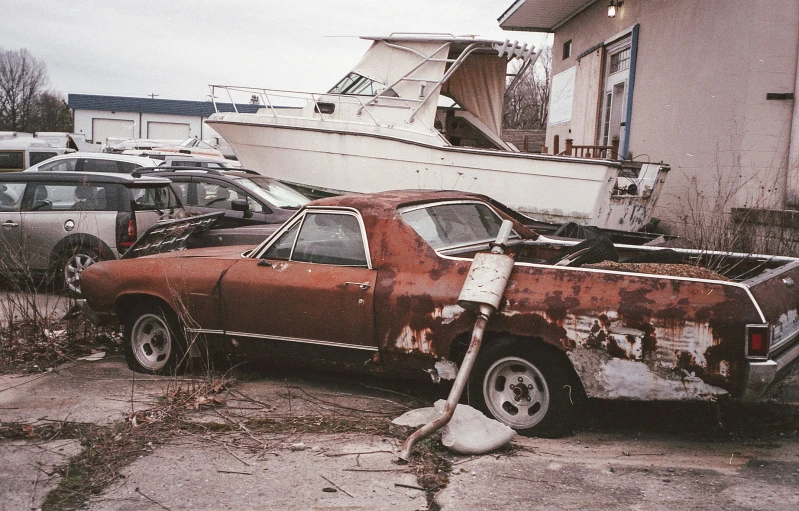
(241, 205)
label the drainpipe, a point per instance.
(485, 284)
(792, 174)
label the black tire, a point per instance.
(154, 341)
(72, 263)
(525, 387)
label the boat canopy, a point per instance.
(418, 68)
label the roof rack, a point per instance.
(176, 168)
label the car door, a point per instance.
(11, 225)
(313, 286)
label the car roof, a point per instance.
(79, 177)
(142, 160)
(391, 200)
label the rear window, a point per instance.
(153, 198)
(12, 160)
(454, 224)
(99, 165)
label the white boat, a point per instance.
(425, 112)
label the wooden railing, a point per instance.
(608, 152)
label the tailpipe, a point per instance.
(482, 292)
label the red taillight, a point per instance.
(126, 230)
(758, 341)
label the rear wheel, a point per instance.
(154, 341)
(72, 264)
(526, 388)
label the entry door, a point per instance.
(616, 90)
(313, 285)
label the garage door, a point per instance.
(167, 130)
(104, 128)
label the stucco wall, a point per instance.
(699, 104)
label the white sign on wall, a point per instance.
(562, 98)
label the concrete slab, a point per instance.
(28, 471)
(99, 392)
(592, 471)
(192, 473)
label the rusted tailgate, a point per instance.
(777, 294)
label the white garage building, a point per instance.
(101, 117)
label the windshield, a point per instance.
(453, 224)
(153, 197)
(358, 85)
(274, 192)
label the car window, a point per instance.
(182, 189)
(281, 249)
(153, 197)
(449, 225)
(65, 165)
(101, 165)
(12, 160)
(330, 238)
(255, 206)
(70, 197)
(36, 157)
(214, 195)
(11, 196)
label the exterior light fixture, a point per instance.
(613, 6)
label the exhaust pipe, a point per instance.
(485, 284)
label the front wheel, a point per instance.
(526, 388)
(154, 342)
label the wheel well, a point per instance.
(460, 345)
(126, 303)
(77, 240)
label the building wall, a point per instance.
(703, 70)
(84, 118)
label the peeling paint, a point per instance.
(410, 339)
(448, 313)
(447, 369)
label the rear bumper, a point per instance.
(761, 375)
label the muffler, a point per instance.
(482, 292)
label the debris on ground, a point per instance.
(468, 432)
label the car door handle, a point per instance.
(9, 223)
(362, 285)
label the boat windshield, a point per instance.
(454, 224)
(274, 192)
(357, 85)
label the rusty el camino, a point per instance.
(373, 280)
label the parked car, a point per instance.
(93, 162)
(185, 160)
(246, 197)
(18, 154)
(58, 223)
(374, 280)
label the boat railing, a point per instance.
(282, 103)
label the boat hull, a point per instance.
(549, 188)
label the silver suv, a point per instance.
(58, 223)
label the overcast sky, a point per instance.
(175, 48)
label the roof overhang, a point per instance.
(541, 15)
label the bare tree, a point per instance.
(22, 79)
(527, 105)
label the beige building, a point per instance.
(707, 86)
